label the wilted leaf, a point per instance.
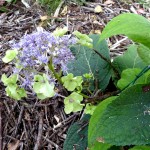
(98, 9)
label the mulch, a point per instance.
(32, 124)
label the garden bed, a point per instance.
(30, 123)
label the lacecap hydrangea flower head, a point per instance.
(36, 49)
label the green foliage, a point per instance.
(136, 27)
(140, 148)
(89, 109)
(128, 75)
(60, 32)
(118, 120)
(77, 135)
(145, 3)
(10, 55)
(87, 61)
(144, 53)
(71, 83)
(84, 39)
(73, 103)
(125, 121)
(42, 87)
(3, 7)
(93, 131)
(100, 146)
(50, 5)
(12, 89)
(129, 59)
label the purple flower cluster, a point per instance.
(35, 49)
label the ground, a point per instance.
(30, 123)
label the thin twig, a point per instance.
(40, 130)
(97, 99)
(52, 143)
(19, 120)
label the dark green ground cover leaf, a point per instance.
(104, 146)
(77, 135)
(140, 148)
(87, 61)
(125, 121)
(93, 132)
(129, 59)
(100, 146)
(136, 27)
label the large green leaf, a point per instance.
(77, 135)
(100, 146)
(129, 75)
(136, 27)
(104, 146)
(87, 61)
(140, 148)
(125, 121)
(93, 132)
(130, 59)
(144, 53)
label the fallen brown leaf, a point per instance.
(14, 145)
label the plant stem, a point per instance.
(51, 67)
(108, 61)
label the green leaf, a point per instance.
(60, 31)
(136, 27)
(100, 146)
(11, 80)
(38, 78)
(42, 87)
(43, 90)
(126, 120)
(128, 75)
(129, 59)
(87, 61)
(144, 53)
(4, 9)
(47, 89)
(104, 146)
(13, 91)
(77, 135)
(10, 55)
(140, 148)
(84, 39)
(93, 132)
(70, 82)
(89, 109)
(22, 92)
(9, 1)
(73, 103)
